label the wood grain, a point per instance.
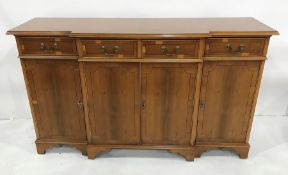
(167, 93)
(113, 102)
(56, 98)
(139, 28)
(227, 93)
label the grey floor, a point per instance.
(268, 155)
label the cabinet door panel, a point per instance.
(227, 93)
(55, 93)
(168, 93)
(113, 101)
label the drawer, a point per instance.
(47, 46)
(109, 48)
(170, 48)
(235, 47)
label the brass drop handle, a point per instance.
(42, 46)
(115, 49)
(241, 47)
(104, 49)
(164, 50)
(54, 47)
(228, 47)
(176, 50)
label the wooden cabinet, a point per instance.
(113, 97)
(183, 85)
(168, 91)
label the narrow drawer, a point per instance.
(109, 48)
(47, 46)
(235, 47)
(170, 48)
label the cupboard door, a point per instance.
(168, 95)
(55, 96)
(227, 93)
(113, 102)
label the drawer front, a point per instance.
(109, 48)
(170, 48)
(47, 46)
(235, 47)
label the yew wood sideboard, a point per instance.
(183, 85)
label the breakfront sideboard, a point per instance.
(183, 85)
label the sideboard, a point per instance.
(186, 85)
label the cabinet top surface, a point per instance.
(198, 27)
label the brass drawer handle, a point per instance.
(164, 50)
(115, 49)
(54, 47)
(176, 49)
(42, 46)
(229, 48)
(103, 48)
(241, 47)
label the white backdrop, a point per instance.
(273, 97)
